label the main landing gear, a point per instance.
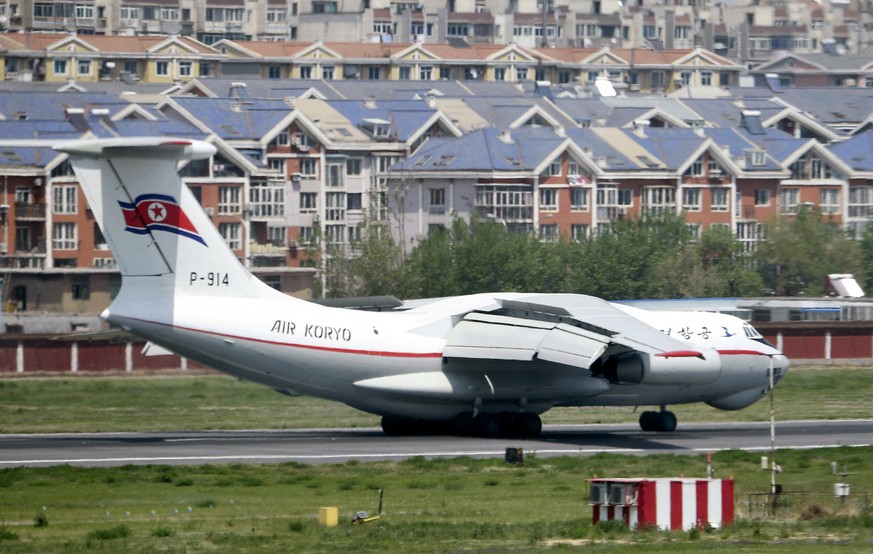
(662, 422)
(504, 424)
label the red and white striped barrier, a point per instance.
(668, 503)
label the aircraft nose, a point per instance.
(780, 367)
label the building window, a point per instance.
(283, 138)
(308, 202)
(229, 200)
(579, 199)
(405, 73)
(829, 201)
(374, 73)
(321, 6)
(457, 30)
(861, 201)
(84, 67)
(65, 199)
(60, 67)
(335, 175)
(691, 200)
(309, 167)
(425, 73)
(230, 232)
(162, 68)
(499, 73)
(549, 200)
(335, 206)
(328, 72)
(696, 169)
(335, 234)
(549, 232)
(693, 231)
(81, 287)
(789, 200)
(64, 236)
(354, 201)
(437, 201)
(521, 74)
(84, 11)
(353, 166)
(578, 231)
(306, 72)
(277, 165)
(706, 78)
(720, 199)
(658, 200)
(267, 199)
(185, 68)
(762, 197)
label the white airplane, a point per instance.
(486, 363)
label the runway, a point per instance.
(341, 445)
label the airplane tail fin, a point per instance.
(158, 232)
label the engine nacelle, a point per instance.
(670, 368)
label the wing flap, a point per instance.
(572, 346)
(495, 337)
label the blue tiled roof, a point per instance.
(231, 119)
(856, 151)
(484, 150)
(406, 116)
(52, 105)
(671, 146)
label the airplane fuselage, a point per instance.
(304, 348)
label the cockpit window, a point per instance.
(751, 332)
(762, 340)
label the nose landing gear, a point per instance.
(663, 421)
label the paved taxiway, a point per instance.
(339, 445)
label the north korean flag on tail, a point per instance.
(157, 212)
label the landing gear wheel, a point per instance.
(529, 425)
(488, 425)
(661, 422)
(395, 426)
(666, 421)
(463, 424)
(649, 421)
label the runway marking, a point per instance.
(385, 456)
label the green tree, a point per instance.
(483, 256)
(801, 250)
(866, 246)
(371, 266)
(714, 266)
(622, 263)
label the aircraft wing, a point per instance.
(577, 331)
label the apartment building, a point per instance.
(748, 32)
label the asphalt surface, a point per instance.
(340, 445)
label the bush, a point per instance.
(41, 520)
(162, 532)
(7, 535)
(117, 532)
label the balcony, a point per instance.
(267, 249)
(30, 212)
